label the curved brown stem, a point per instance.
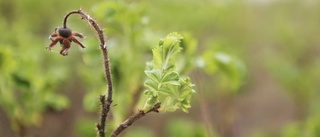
(66, 17)
(105, 103)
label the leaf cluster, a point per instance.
(164, 82)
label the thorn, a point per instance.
(102, 98)
(98, 126)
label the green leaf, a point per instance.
(157, 58)
(150, 103)
(165, 91)
(185, 104)
(171, 78)
(168, 47)
(151, 84)
(154, 75)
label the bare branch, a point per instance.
(134, 118)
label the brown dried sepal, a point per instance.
(64, 36)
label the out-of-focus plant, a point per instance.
(301, 82)
(24, 96)
(29, 84)
(189, 127)
(309, 128)
(231, 70)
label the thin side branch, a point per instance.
(128, 122)
(105, 103)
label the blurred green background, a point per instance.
(255, 64)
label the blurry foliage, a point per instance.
(84, 128)
(309, 128)
(137, 131)
(29, 84)
(295, 63)
(219, 62)
(178, 127)
(277, 35)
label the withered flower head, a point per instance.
(64, 36)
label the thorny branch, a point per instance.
(105, 102)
